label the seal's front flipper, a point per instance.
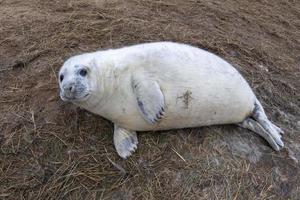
(150, 98)
(125, 141)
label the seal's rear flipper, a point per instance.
(254, 126)
(260, 124)
(260, 116)
(125, 141)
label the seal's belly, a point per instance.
(228, 100)
(190, 113)
(192, 104)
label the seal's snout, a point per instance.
(69, 90)
(73, 91)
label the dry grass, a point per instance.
(52, 150)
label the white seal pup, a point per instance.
(159, 86)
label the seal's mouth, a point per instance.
(77, 99)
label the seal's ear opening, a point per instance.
(92, 65)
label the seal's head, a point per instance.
(74, 79)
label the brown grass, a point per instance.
(52, 150)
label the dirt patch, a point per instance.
(186, 98)
(52, 150)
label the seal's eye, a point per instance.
(61, 78)
(83, 72)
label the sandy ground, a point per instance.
(52, 150)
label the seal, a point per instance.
(160, 86)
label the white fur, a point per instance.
(216, 92)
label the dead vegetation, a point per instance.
(52, 150)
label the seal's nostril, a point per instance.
(72, 88)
